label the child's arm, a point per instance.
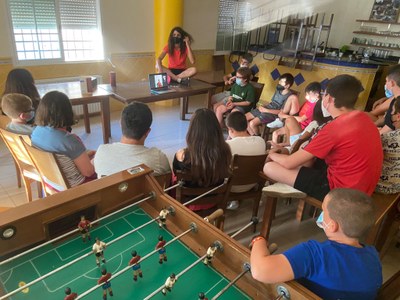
(269, 268)
(189, 50)
(159, 60)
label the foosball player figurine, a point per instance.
(169, 283)
(161, 249)
(202, 296)
(84, 228)
(134, 262)
(70, 295)
(104, 279)
(210, 254)
(163, 217)
(98, 250)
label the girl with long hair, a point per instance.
(178, 49)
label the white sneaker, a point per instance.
(275, 124)
(283, 190)
(232, 205)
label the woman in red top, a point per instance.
(178, 49)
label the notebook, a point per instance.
(159, 84)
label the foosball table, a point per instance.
(43, 253)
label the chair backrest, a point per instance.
(185, 193)
(164, 180)
(246, 168)
(17, 149)
(258, 88)
(4, 120)
(48, 167)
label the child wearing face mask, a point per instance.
(284, 103)
(178, 49)
(242, 96)
(296, 124)
(19, 109)
(230, 78)
(340, 267)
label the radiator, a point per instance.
(78, 109)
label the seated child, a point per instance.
(298, 123)
(389, 181)
(242, 96)
(338, 268)
(53, 116)
(19, 109)
(229, 79)
(296, 133)
(284, 102)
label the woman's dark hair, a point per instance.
(210, 156)
(182, 44)
(55, 110)
(21, 81)
(317, 114)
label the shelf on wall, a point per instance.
(380, 22)
(376, 34)
(373, 46)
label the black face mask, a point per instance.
(177, 40)
(280, 88)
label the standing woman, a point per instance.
(178, 49)
(21, 81)
(207, 156)
(54, 115)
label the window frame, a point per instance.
(52, 61)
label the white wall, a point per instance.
(128, 24)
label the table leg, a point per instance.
(210, 93)
(184, 107)
(269, 212)
(105, 118)
(86, 117)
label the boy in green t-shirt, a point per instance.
(242, 96)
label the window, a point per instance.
(56, 30)
(232, 34)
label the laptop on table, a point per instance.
(159, 84)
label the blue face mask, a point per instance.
(239, 81)
(388, 93)
(321, 223)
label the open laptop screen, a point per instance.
(158, 81)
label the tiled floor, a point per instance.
(168, 133)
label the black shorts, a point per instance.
(313, 182)
(177, 71)
(98, 254)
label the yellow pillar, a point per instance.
(167, 15)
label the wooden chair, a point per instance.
(49, 169)
(186, 193)
(164, 180)
(258, 88)
(4, 120)
(25, 165)
(246, 170)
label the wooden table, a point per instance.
(74, 93)
(211, 77)
(140, 91)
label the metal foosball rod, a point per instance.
(152, 196)
(75, 260)
(206, 193)
(193, 227)
(155, 292)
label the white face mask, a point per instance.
(311, 99)
(325, 112)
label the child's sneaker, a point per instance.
(275, 124)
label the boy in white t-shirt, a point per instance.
(242, 143)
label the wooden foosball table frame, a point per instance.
(31, 222)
